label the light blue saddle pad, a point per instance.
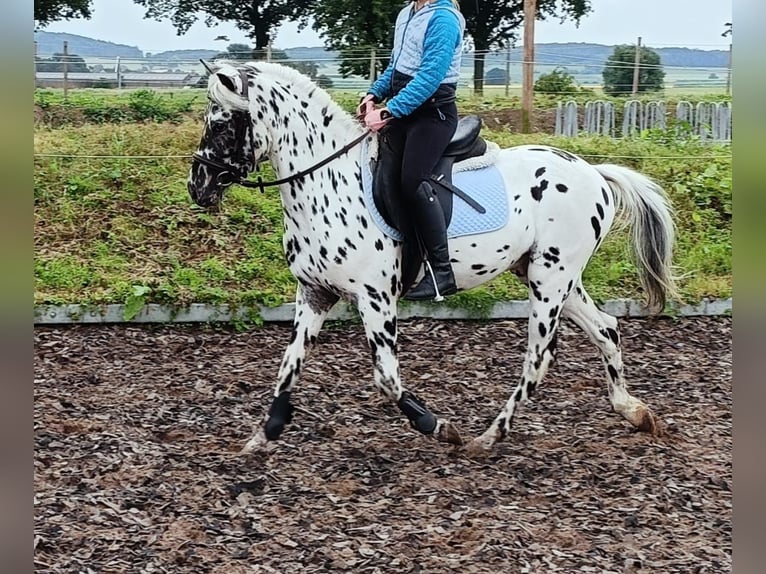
(485, 185)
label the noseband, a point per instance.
(226, 176)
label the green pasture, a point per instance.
(123, 230)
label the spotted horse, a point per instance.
(561, 209)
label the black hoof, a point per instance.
(280, 414)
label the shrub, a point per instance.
(559, 81)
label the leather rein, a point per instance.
(231, 178)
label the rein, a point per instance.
(232, 178)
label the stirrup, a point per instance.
(438, 297)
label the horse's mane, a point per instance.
(221, 95)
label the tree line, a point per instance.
(351, 28)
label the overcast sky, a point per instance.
(660, 23)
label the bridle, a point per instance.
(226, 176)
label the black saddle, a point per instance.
(387, 194)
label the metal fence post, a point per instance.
(631, 121)
(566, 118)
(654, 116)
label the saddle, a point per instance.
(387, 195)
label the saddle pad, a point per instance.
(485, 185)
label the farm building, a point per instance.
(108, 79)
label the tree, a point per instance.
(354, 29)
(47, 11)
(491, 25)
(559, 81)
(241, 52)
(246, 53)
(56, 63)
(618, 71)
(258, 19)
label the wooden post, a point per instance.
(636, 66)
(268, 51)
(66, 68)
(728, 74)
(372, 65)
(118, 70)
(528, 77)
(508, 70)
(35, 66)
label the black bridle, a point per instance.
(226, 176)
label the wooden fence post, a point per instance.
(528, 79)
(66, 68)
(636, 66)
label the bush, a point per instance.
(559, 81)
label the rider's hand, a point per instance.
(377, 119)
(365, 106)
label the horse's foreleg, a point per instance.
(311, 307)
(378, 312)
(602, 330)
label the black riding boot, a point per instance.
(430, 224)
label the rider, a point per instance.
(419, 85)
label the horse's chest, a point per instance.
(337, 240)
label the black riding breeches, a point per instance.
(423, 136)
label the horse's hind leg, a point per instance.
(311, 307)
(378, 312)
(548, 290)
(601, 328)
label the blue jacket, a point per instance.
(425, 61)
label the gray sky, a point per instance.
(660, 23)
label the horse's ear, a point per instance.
(228, 82)
(209, 67)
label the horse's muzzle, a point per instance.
(205, 197)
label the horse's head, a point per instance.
(230, 148)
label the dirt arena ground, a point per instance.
(137, 431)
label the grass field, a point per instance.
(121, 229)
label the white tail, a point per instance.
(644, 203)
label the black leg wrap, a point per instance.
(420, 417)
(280, 414)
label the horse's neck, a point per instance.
(305, 131)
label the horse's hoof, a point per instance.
(648, 423)
(257, 443)
(447, 432)
(479, 446)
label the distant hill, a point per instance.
(583, 55)
(593, 56)
(49, 43)
(183, 55)
(311, 53)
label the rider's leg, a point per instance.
(429, 130)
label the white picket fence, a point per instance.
(709, 121)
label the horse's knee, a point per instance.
(420, 417)
(280, 414)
